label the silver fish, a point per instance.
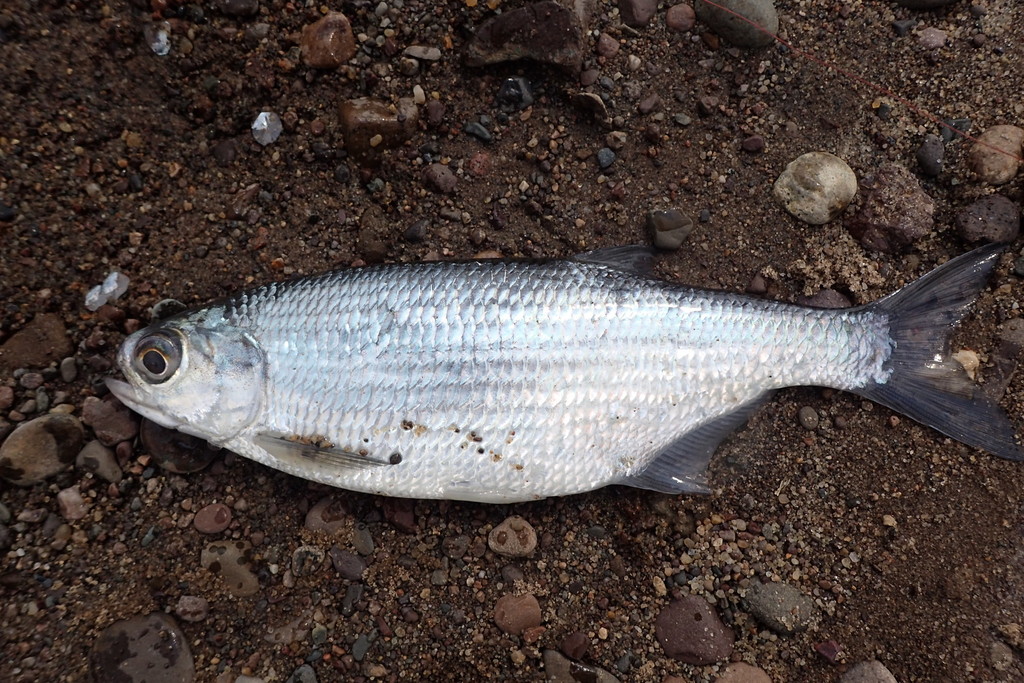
(502, 381)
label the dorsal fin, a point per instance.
(633, 258)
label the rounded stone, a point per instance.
(232, 561)
(307, 560)
(895, 211)
(40, 448)
(691, 631)
(816, 187)
(110, 419)
(514, 537)
(192, 608)
(329, 515)
(741, 672)
(781, 607)
(327, 43)
(724, 22)
(147, 648)
(930, 155)
(924, 4)
(213, 518)
(515, 613)
(990, 219)
(669, 229)
(871, 671)
(98, 459)
(680, 18)
(993, 166)
(808, 417)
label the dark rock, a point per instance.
(100, 460)
(40, 449)
(400, 512)
(752, 144)
(39, 343)
(175, 451)
(542, 31)
(435, 113)
(110, 419)
(826, 298)
(478, 131)
(606, 45)
(559, 669)
(990, 219)
(514, 94)
(691, 631)
(930, 155)
(238, 8)
(417, 231)
(575, 644)
(605, 158)
(150, 649)
(637, 13)
(895, 212)
(924, 4)
(328, 43)
(371, 126)
(902, 27)
(349, 565)
(669, 229)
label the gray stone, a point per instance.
(560, 669)
(930, 155)
(990, 219)
(734, 29)
(669, 229)
(871, 671)
(781, 607)
(98, 459)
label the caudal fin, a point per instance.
(926, 384)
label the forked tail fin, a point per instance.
(926, 384)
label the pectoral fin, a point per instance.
(303, 451)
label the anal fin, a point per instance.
(303, 451)
(682, 466)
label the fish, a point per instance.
(512, 380)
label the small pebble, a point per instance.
(741, 30)
(808, 417)
(40, 449)
(992, 166)
(329, 516)
(680, 18)
(691, 631)
(741, 672)
(669, 229)
(328, 42)
(440, 178)
(605, 157)
(930, 155)
(780, 607)
(871, 671)
(349, 565)
(895, 211)
(559, 669)
(212, 519)
(931, 38)
(990, 219)
(72, 506)
(175, 451)
(514, 537)
(513, 614)
(232, 561)
(111, 420)
(607, 46)
(307, 560)
(192, 608)
(753, 144)
(478, 131)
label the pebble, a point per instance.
(41, 342)
(192, 608)
(559, 669)
(808, 417)
(780, 607)
(328, 42)
(990, 219)
(606, 45)
(401, 514)
(741, 672)
(232, 561)
(40, 449)
(902, 27)
(302, 674)
(545, 31)
(362, 540)
(423, 53)
(6, 397)
(871, 671)
(371, 125)
(175, 451)
(930, 155)
(931, 38)
(71, 504)
(734, 29)
(417, 231)
(637, 13)
(329, 515)
(826, 298)
(307, 560)
(267, 128)
(212, 519)
(691, 631)
(991, 166)
(513, 614)
(110, 419)
(752, 144)
(514, 537)
(816, 187)
(440, 178)
(576, 644)
(238, 8)
(514, 94)
(605, 157)
(477, 130)
(680, 18)
(31, 380)
(349, 565)
(895, 211)
(150, 649)
(669, 229)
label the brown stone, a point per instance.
(39, 343)
(371, 126)
(328, 43)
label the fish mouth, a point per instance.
(134, 399)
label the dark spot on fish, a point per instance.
(363, 452)
(480, 451)
(395, 458)
(495, 456)
(406, 425)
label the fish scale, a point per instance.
(510, 380)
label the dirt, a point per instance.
(910, 543)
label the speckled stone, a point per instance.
(142, 649)
(514, 537)
(41, 448)
(816, 187)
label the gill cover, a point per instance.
(194, 374)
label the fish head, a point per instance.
(203, 379)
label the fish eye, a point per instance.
(157, 357)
